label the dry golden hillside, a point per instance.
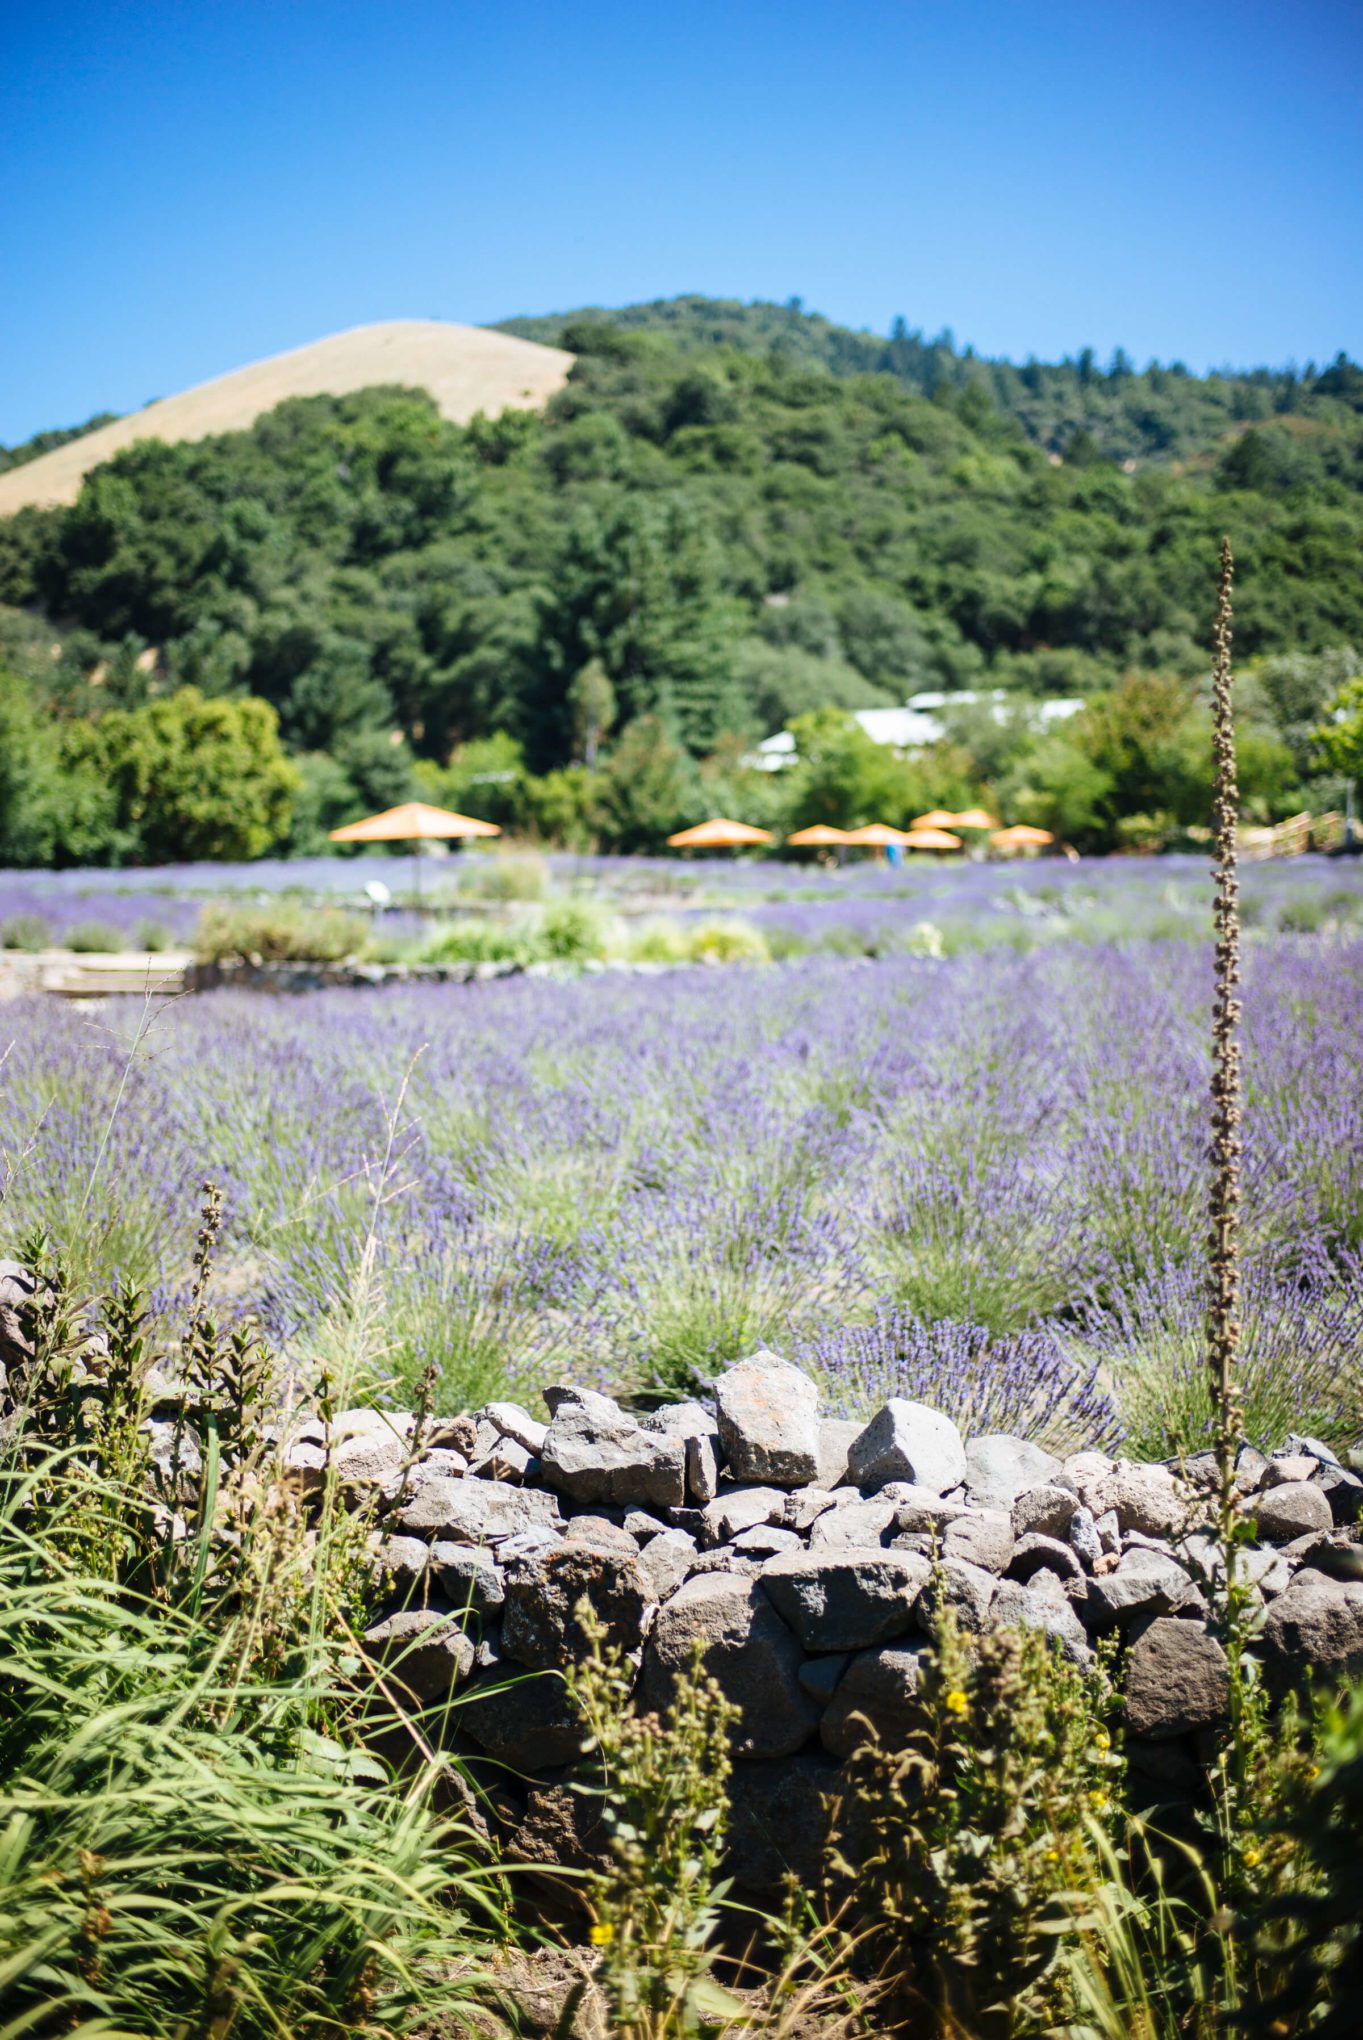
(466, 369)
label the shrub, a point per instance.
(656, 942)
(278, 932)
(572, 931)
(727, 942)
(477, 942)
(94, 938)
(1025, 1383)
(152, 936)
(507, 875)
(25, 931)
(957, 1847)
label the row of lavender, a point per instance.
(978, 1181)
(863, 906)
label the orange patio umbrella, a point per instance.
(816, 835)
(413, 822)
(939, 818)
(718, 834)
(975, 818)
(1022, 836)
(877, 835)
(931, 839)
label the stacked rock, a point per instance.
(806, 1557)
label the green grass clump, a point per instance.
(279, 932)
(94, 938)
(25, 931)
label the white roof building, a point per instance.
(917, 723)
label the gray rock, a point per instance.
(1146, 1498)
(441, 1463)
(1109, 1531)
(747, 1648)
(586, 1528)
(804, 1506)
(702, 1469)
(1033, 1551)
(968, 1590)
(542, 1622)
(1316, 1626)
(1177, 1679)
(1084, 1539)
(846, 1599)
(475, 1511)
(505, 1459)
(368, 1459)
(768, 1416)
(908, 1441)
(424, 1652)
(879, 1688)
(854, 1523)
(1289, 1466)
(525, 1721)
(779, 1820)
(1047, 1509)
(1032, 1607)
(724, 1559)
(467, 1576)
(528, 1543)
(688, 1419)
(1343, 1490)
(767, 1540)
(983, 1538)
(918, 1508)
(835, 1442)
(1282, 1513)
(1000, 1468)
(594, 1452)
(1090, 1472)
(1143, 1584)
(518, 1424)
(403, 1559)
(641, 1526)
(819, 1676)
(738, 1510)
(665, 1561)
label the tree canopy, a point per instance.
(730, 519)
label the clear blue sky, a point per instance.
(186, 187)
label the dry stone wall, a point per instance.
(805, 1555)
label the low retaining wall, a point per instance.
(803, 1554)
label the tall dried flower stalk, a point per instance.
(1223, 1311)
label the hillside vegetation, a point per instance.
(557, 618)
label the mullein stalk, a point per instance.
(1223, 1244)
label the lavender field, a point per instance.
(978, 1176)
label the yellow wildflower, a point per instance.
(1252, 1859)
(1099, 1801)
(1102, 1740)
(957, 1703)
(601, 1936)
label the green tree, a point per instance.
(648, 788)
(591, 703)
(190, 778)
(1340, 736)
(843, 777)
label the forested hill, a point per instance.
(1076, 407)
(720, 540)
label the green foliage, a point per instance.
(956, 1848)
(1340, 738)
(93, 938)
(194, 1840)
(662, 1787)
(25, 931)
(281, 932)
(730, 518)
